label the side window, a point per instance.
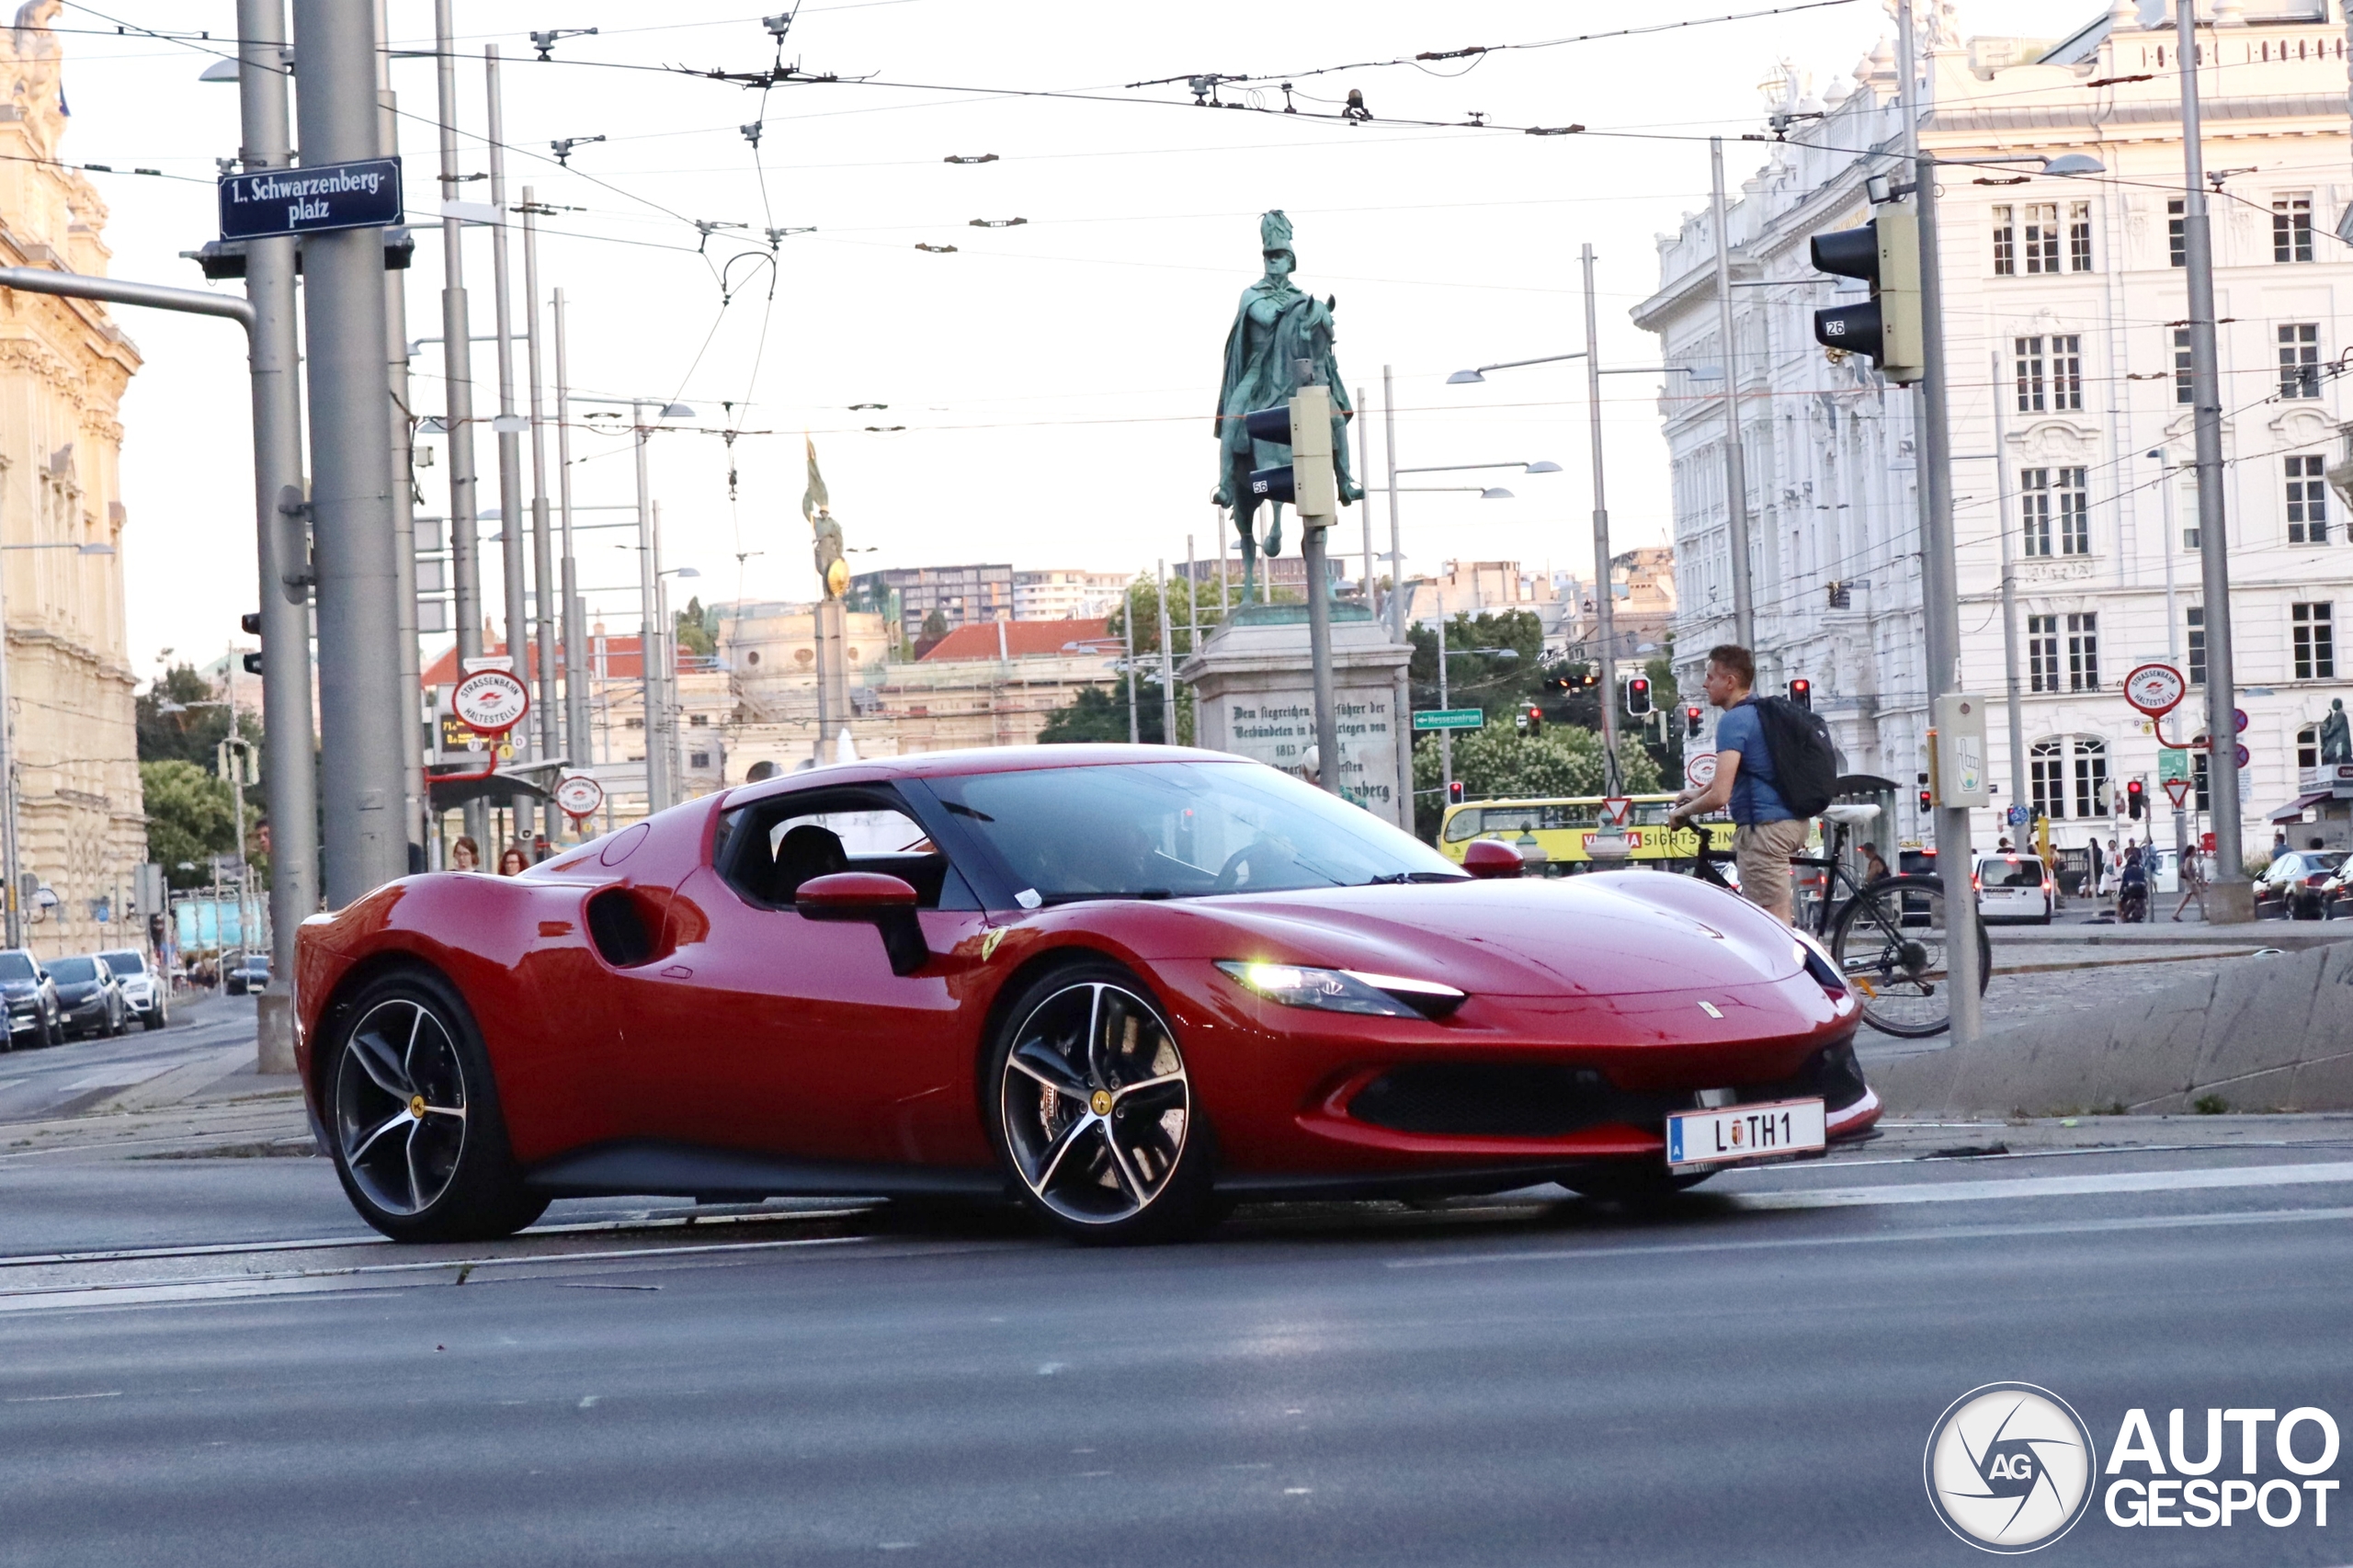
(770, 848)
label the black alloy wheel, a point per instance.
(413, 1116)
(1092, 1110)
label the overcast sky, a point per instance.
(1056, 379)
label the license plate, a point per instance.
(1776, 1130)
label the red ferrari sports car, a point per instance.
(1128, 985)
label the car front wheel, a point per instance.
(1094, 1114)
(418, 1138)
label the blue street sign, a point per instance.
(2017, 816)
(361, 195)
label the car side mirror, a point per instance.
(1490, 858)
(886, 903)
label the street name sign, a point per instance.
(1425, 719)
(264, 204)
(492, 701)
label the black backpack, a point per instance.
(1805, 759)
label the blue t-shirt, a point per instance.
(1754, 798)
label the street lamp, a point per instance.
(1393, 490)
(1446, 737)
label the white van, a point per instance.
(2014, 889)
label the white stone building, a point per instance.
(2069, 411)
(1066, 595)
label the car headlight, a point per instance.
(1818, 963)
(1343, 990)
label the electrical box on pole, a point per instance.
(1307, 482)
(1887, 328)
(1956, 752)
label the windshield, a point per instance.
(1179, 829)
(16, 966)
(2007, 873)
(73, 972)
(125, 963)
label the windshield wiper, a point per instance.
(962, 810)
(1396, 877)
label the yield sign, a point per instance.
(2179, 790)
(1617, 811)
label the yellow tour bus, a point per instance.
(1555, 836)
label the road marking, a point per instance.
(1942, 1233)
(2010, 1188)
(59, 1398)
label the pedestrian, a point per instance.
(2193, 882)
(512, 861)
(465, 856)
(2113, 873)
(1874, 864)
(1766, 833)
(2002, 846)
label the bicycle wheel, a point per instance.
(1889, 943)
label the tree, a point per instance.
(182, 716)
(1099, 714)
(698, 629)
(1486, 681)
(1502, 762)
(190, 818)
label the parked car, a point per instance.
(2292, 886)
(31, 998)
(2013, 889)
(252, 974)
(148, 997)
(88, 996)
(1049, 971)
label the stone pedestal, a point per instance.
(1254, 696)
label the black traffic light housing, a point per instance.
(1884, 253)
(1802, 693)
(1691, 717)
(253, 664)
(2135, 799)
(1454, 793)
(1533, 721)
(1637, 696)
(251, 622)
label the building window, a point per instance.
(698, 721)
(2177, 243)
(2083, 653)
(2292, 227)
(2042, 652)
(2067, 372)
(2091, 776)
(2308, 747)
(634, 725)
(2030, 357)
(2041, 238)
(2307, 501)
(2034, 521)
(2197, 629)
(2005, 258)
(2075, 511)
(2312, 630)
(2300, 359)
(2181, 393)
(2047, 772)
(2079, 237)
(698, 759)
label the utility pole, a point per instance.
(513, 558)
(1605, 624)
(1364, 473)
(1940, 574)
(542, 552)
(1744, 601)
(415, 805)
(1127, 634)
(351, 501)
(1396, 551)
(2019, 795)
(1168, 667)
(289, 781)
(458, 391)
(576, 631)
(649, 638)
(2233, 896)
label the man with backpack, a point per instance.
(1775, 768)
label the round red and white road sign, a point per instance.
(492, 701)
(1699, 770)
(579, 795)
(2155, 689)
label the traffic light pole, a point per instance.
(2232, 894)
(1605, 628)
(1940, 572)
(1744, 600)
(2009, 594)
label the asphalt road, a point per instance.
(1746, 1379)
(58, 1079)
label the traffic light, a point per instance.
(1802, 693)
(1533, 720)
(252, 663)
(1884, 253)
(1454, 793)
(1304, 424)
(1927, 798)
(1691, 718)
(1637, 696)
(2135, 799)
(250, 623)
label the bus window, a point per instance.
(1652, 813)
(1462, 824)
(1568, 816)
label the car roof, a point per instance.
(974, 760)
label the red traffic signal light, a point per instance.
(1691, 717)
(1454, 793)
(1637, 696)
(1927, 802)
(1802, 693)
(2135, 799)
(1535, 721)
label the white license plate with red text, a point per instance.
(1742, 1133)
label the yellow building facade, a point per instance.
(63, 366)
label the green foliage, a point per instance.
(1501, 762)
(934, 625)
(190, 818)
(1185, 601)
(1099, 714)
(698, 629)
(1483, 680)
(192, 734)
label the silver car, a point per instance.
(149, 997)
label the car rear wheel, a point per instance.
(1093, 1110)
(414, 1119)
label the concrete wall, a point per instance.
(2265, 1034)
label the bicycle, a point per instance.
(1887, 936)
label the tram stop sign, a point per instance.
(492, 701)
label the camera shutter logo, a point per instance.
(2009, 1468)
